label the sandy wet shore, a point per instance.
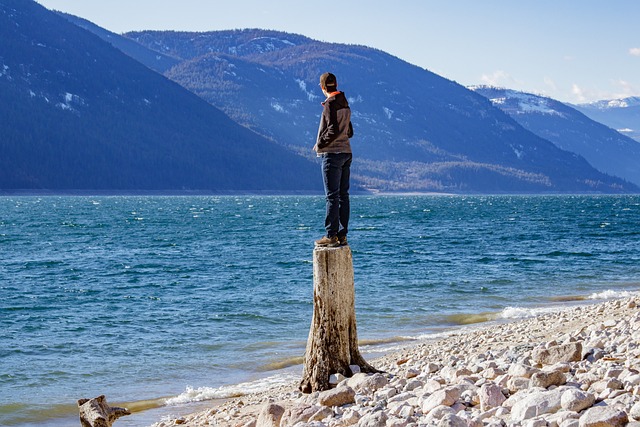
(579, 367)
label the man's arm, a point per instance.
(330, 131)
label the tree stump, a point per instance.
(97, 413)
(333, 339)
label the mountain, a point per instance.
(78, 114)
(414, 130)
(152, 59)
(603, 147)
(620, 114)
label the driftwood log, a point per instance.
(97, 413)
(333, 338)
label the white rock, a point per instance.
(517, 383)
(270, 416)
(403, 410)
(374, 419)
(535, 404)
(385, 393)
(397, 422)
(338, 396)
(431, 368)
(576, 400)
(560, 417)
(412, 373)
(487, 414)
(321, 414)
(490, 396)
(492, 373)
(445, 397)
(603, 416)
(350, 417)
(570, 352)
(537, 422)
(431, 386)
(413, 384)
(635, 412)
(608, 383)
(632, 380)
(470, 397)
(516, 397)
(502, 411)
(367, 383)
(300, 413)
(520, 370)
(335, 379)
(546, 379)
(433, 417)
(452, 420)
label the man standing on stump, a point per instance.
(333, 146)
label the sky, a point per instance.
(574, 51)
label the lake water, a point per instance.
(158, 302)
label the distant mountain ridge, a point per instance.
(569, 129)
(83, 115)
(78, 114)
(152, 59)
(414, 130)
(620, 114)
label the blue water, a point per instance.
(140, 298)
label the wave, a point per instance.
(612, 294)
(568, 298)
(470, 318)
(523, 313)
(388, 340)
(282, 364)
(226, 392)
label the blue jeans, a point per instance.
(336, 169)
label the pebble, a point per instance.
(575, 368)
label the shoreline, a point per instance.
(430, 361)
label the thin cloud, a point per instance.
(634, 51)
(498, 78)
(578, 93)
(627, 89)
(550, 83)
(618, 89)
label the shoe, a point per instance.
(330, 242)
(343, 240)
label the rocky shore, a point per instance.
(576, 368)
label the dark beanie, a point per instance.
(328, 80)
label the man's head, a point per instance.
(328, 82)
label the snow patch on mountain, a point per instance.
(303, 87)
(279, 108)
(517, 102)
(528, 103)
(69, 100)
(519, 152)
(607, 104)
(355, 100)
(367, 118)
(4, 71)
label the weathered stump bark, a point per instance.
(333, 339)
(97, 413)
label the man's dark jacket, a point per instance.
(335, 125)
